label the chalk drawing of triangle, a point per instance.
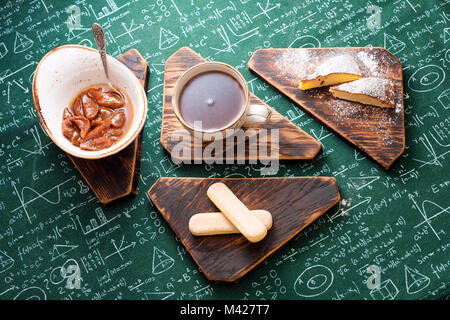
(415, 281)
(158, 295)
(6, 261)
(22, 43)
(158, 68)
(393, 44)
(167, 39)
(60, 250)
(446, 35)
(3, 50)
(76, 33)
(161, 261)
(361, 182)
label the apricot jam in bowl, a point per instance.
(77, 108)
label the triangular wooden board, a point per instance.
(294, 203)
(117, 176)
(379, 132)
(294, 143)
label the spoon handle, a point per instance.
(99, 36)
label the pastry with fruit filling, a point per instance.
(336, 70)
(377, 92)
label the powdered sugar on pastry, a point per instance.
(344, 63)
(378, 88)
(295, 63)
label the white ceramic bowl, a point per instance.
(62, 74)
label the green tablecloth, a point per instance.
(394, 220)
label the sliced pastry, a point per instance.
(377, 92)
(336, 70)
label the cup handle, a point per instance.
(257, 113)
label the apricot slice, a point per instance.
(78, 107)
(82, 124)
(114, 132)
(68, 129)
(118, 119)
(99, 131)
(90, 107)
(106, 99)
(76, 138)
(101, 116)
(97, 143)
(105, 113)
(96, 122)
(67, 113)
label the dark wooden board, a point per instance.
(117, 176)
(294, 143)
(379, 132)
(294, 203)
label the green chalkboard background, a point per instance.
(396, 220)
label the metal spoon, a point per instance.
(99, 36)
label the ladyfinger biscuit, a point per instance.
(212, 223)
(235, 211)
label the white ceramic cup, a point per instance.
(66, 71)
(250, 113)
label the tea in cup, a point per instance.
(213, 97)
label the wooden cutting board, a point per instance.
(117, 176)
(294, 202)
(294, 143)
(379, 132)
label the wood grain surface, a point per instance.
(117, 176)
(379, 132)
(294, 143)
(294, 203)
